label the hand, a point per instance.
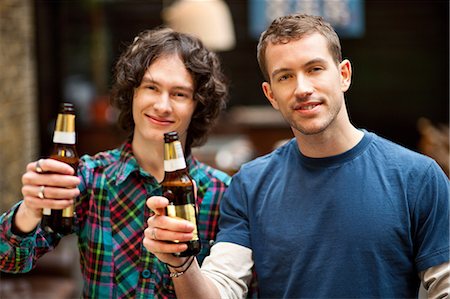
(48, 183)
(163, 229)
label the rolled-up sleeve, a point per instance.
(229, 267)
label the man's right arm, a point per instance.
(229, 267)
(57, 186)
(193, 284)
(19, 250)
(21, 242)
(26, 220)
(225, 273)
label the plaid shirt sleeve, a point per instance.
(19, 253)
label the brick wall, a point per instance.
(18, 119)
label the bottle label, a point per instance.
(184, 212)
(174, 164)
(64, 137)
(68, 212)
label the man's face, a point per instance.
(306, 85)
(164, 101)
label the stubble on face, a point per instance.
(316, 125)
(309, 97)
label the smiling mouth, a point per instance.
(159, 120)
(306, 107)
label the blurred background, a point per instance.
(54, 51)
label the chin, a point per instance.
(153, 136)
(310, 130)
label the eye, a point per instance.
(283, 77)
(181, 95)
(316, 69)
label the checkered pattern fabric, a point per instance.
(111, 218)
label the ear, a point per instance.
(269, 95)
(345, 69)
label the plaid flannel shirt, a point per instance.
(111, 218)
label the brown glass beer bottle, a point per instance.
(178, 188)
(64, 150)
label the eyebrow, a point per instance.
(307, 64)
(315, 61)
(147, 79)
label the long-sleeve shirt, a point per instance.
(111, 217)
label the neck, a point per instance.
(338, 138)
(150, 156)
(326, 145)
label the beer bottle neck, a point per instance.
(173, 156)
(65, 129)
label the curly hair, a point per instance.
(210, 88)
(294, 27)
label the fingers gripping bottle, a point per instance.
(178, 188)
(64, 150)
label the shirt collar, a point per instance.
(128, 164)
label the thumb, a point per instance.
(157, 204)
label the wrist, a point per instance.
(26, 219)
(30, 212)
(177, 271)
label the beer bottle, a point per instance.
(178, 188)
(64, 150)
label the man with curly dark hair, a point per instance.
(210, 90)
(164, 81)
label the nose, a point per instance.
(163, 104)
(304, 87)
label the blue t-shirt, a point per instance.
(357, 225)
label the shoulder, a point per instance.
(206, 174)
(115, 164)
(266, 163)
(398, 155)
(405, 166)
(101, 159)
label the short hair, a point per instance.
(293, 27)
(210, 88)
